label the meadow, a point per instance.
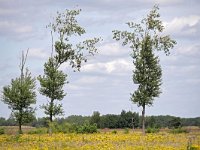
(103, 140)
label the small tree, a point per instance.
(20, 95)
(52, 83)
(144, 41)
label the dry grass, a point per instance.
(14, 129)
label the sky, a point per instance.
(105, 82)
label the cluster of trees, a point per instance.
(144, 39)
(123, 120)
(20, 95)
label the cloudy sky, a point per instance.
(105, 81)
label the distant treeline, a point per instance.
(124, 120)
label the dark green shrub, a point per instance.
(175, 123)
(152, 130)
(114, 132)
(87, 128)
(2, 131)
(126, 131)
(55, 127)
(38, 131)
(179, 130)
(66, 128)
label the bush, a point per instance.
(126, 131)
(62, 127)
(152, 130)
(175, 123)
(38, 131)
(66, 128)
(114, 132)
(179, 130)
(87, 128)
(2, 131)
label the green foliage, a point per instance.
(175, 123)
(190, 121)
(124, 120)
(66, 26)
(20, 95)
(178, 130)
(2, 130)
(152, 130)
(109, 121)
(87, 128)
(192, 148)
(144, 40)
(128, 119)
(95, 119)
(77, 119)
(114, 132)
(63, 127)
(40, 122)
(52, 83)
(38, 131)
(126, 130)
(147, 74)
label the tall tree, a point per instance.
(20, 95)
(66, 50)
(145, 40)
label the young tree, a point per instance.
(66, 50)
(144, 40)
(20, 95)
(52, 83)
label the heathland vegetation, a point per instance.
(110, 131)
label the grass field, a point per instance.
(102, 141)
(14, 129)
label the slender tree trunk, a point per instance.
(132, 123)
(20, 128)
(51, 117)
(20, 124)
(51, 111)
(143, 119)
(21, 91)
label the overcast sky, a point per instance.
(105, 81)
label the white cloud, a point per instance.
(119, 66)
(112, 49)
(183, 25)
(189, 50)
(166, 1)
(37, 53)
(90, 80)
(4, 11)
(6, 26)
